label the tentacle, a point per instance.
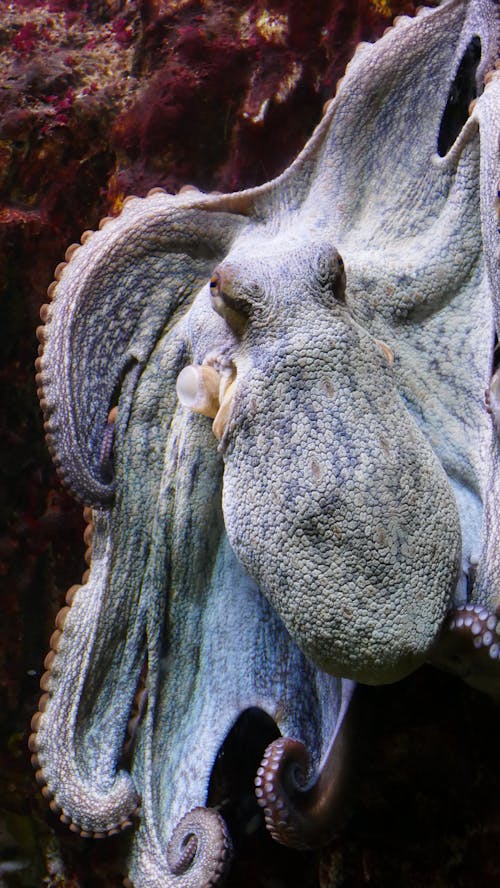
(300, 810)
(77, 772)
(478, 627)
(200, 848)
(282, 776)
(198, 854)
(469, 645)
(109, 304)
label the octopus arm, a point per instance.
(109, 305)
(126, 288)
(77, 736)
(382, 132)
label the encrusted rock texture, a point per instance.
(106, 98)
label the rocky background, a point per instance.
(101, 99)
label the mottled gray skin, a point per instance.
(350, 486)
(333, 500)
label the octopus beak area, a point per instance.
(208, 391)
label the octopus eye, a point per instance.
(234, 311)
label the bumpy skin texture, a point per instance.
(333, 500)
(351, 484)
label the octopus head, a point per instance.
(333, 500)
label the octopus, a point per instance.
(271, 403)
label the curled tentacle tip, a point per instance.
(279, 784)
(301, 808)
(184, 858)
(200, 845)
